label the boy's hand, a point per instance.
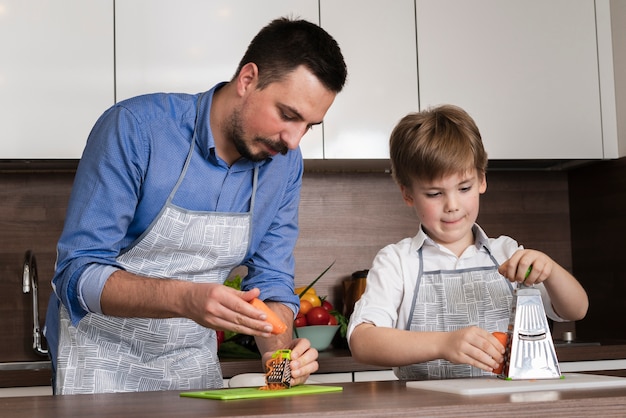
(473, 346)
(518, 267)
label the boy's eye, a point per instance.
(465, 189)
(433, 194)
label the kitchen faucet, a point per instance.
(29, 285)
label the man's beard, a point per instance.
(236, 135)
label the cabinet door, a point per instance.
(190, 45)
(526, 70)
(56, 75)
(378, 42)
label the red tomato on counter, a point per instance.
(300, 321)
(318, 316)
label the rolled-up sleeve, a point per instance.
(271, 266)
(385, 291)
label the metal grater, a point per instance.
(530, 351)
(279, 371)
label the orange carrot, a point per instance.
(278, 326)
(502, 337)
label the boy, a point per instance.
(432, 301)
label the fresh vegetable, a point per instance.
(312, 298)
(303, 291)
(327, 305)
(234, 282)
(318, 316)
(278, 326)
(503, 338)
(332, 320)
(300, 320)
(305, 306)
(342, 321)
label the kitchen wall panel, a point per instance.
(597, 202)
(32, 211)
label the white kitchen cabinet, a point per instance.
(611, 18)
(525, 70)
(377, 39)
(375, 376)
(56, 75)
(190, 45)
(592, 366)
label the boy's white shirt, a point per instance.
(391, 281)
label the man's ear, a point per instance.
(247, 78)
(406, 195)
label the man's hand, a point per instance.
(303, 360)
(211, 305)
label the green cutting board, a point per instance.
(253, 393)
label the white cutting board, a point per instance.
(494, 385)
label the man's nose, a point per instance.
(293, 135)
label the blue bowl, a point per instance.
(320, 336)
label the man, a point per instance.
(173, 191)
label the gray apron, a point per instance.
(448, 300)
(112, 354)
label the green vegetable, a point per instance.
(315, 281)
(234, 282)
(342, 321)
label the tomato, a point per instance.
(318, 316)
(300, 320)
(332, 320)
(305, 306)
(311, 297)
(327, 305)
(220, 338)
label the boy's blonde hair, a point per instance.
(434, 143)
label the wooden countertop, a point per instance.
(363, 399)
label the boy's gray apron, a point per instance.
(448, 300)
(111, 354)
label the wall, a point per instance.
(598, 217)
(345, 217)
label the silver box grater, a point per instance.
(530, 351)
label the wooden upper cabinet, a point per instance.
(56, 75)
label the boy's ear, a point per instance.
(406, 195)
(483, 185)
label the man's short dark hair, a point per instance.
(284, 45)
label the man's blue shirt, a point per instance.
(132, 160)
